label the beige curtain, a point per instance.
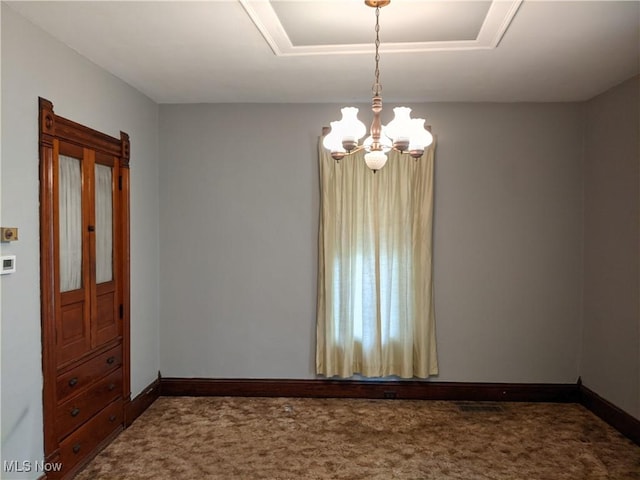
(375, 290)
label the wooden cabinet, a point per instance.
(84, 235)
(89, 438)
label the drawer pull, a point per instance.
(112, 386)
(73, 382)
(110, 360)
(75, 412)
(112, 418)
(76, 448)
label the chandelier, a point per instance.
(403, 133)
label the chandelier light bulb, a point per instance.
(421, 138)
(333, 140)
(352, 129)
(375, 159)
(399, 129)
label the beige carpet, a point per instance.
(284, 438)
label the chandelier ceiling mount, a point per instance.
(377, 3)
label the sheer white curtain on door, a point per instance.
(70, 223)
(104, 223)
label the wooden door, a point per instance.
(106, 252)
(84, 265)
(72, 284)
(86, 249)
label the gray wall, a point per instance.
(611, 334)
(239, 210)
(34, 64)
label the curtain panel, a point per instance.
(70, 208)
(104, 223)
(375, 311)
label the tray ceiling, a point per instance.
(436, 25)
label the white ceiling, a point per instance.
(322, 51)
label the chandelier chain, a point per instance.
(377, 88)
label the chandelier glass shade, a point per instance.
(403, 133)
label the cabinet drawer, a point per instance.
(77, 410)
(84, 441)
(74, 380)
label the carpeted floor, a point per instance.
(284, 438)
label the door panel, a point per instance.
(107, 324)
(106, 321)
(73, 332)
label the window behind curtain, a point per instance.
(375, 308)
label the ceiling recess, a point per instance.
(420, 26)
